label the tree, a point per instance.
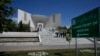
(61, 28)
(68, 37)
(26, 27)
(23, 27)
(5, 11)
(69, 31)
(20, 26)
(1, 26)
(9, 25)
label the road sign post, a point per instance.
(95, 47)
(76, 48)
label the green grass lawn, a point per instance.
(58, 52)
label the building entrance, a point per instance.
(39, 26)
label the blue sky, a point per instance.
(68, 8)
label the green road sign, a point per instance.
(87, 25)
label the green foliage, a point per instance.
(26, 27)
(68, 38)
(69, 30)
(20, 26)
(61, 28)
(5, 11)
(9, 25)
(23, 27)
(1, 27)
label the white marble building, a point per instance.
(39, 21)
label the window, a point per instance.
(53, 18)
(25, 16)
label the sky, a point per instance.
(67, 8)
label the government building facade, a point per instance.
(39, 21)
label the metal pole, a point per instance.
(76, 49)
(95, 47)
